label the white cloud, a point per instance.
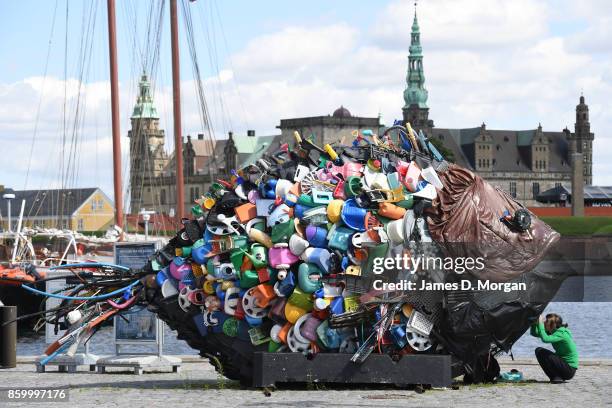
(294, 50)
(467, 24)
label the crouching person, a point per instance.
(561, 365)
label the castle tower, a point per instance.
(147, 154)
(415, 109)
(583, 140)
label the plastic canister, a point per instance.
(282, 187)
(293, 312)
(301, 299)
(353, 186)
(395, 231)
(309, 277)
(412, 177)
(339, 238)
(317, 236)
(351, 303)
(430, 175)
(391, 211)
(354, 216)
(334, 209)
(297, 244)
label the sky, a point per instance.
(509, 64)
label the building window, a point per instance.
(162, 197)
(535, 189)
(513, 189)
(80, 225)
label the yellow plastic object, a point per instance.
(331, 152)
(407, 309)
(334, 209)
(354, 270)
(209, 203)
(293, 313)
(351, 303)
(208, 287)
(225, 285)
(260, 237)
(197, 270)
(412, 137)
(297, 136)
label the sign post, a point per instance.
(137, 326)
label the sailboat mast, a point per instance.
(112, 50)
(176, 100)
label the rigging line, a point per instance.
(229, 58)
(64, 108)
(152, 51)
(42, 91)
(138, 141)
(205, 117)
(84, 64)
(155, 68)
(215, 63)
(85, 77)
(212, 55)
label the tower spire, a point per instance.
(415, 107)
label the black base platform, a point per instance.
(270, 369)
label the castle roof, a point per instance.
(510, 148)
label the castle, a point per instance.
(522, 162)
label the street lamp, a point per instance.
(146, 216)
(8, 197)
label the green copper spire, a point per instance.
(144, 108)
(415, 93)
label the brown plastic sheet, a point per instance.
(465, 220)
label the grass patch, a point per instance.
(580, 225)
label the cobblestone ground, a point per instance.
(198, 385)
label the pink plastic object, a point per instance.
(411, 180)
(402, 167)
(178, 272)
(281, 257)
(197, 297)
(324, 175)
(346, 170)
(309, 328)
(339, 191)
(277, 311)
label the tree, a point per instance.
(447, 153)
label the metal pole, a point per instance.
(176, 100)
(146, 218)
(18, 233)
(112, 51)
(10, 228)
(8, 337)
